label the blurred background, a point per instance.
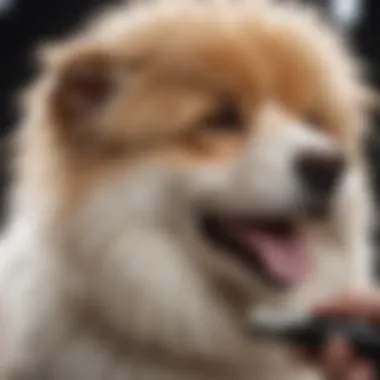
(24, 23)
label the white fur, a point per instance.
(133, 260)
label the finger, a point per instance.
(301, 355)
(354, 303)
(337, 358)
(362, 371)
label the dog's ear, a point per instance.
(83, 86)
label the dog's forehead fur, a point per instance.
(158, 70)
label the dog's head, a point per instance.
(238, 123)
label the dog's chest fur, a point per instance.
(89, 353)
(173, 326)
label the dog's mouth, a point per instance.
(273, 248)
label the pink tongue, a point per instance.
(285, 257)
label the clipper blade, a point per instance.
(272, 324)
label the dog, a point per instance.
(179, 165)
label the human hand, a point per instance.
(338, 360)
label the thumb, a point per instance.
(354, 303)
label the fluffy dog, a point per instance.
(181, 163)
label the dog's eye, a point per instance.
(314, 120)
(226, 117)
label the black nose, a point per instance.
(320, 171)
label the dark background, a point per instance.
(26, 22)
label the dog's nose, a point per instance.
(320, 172)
